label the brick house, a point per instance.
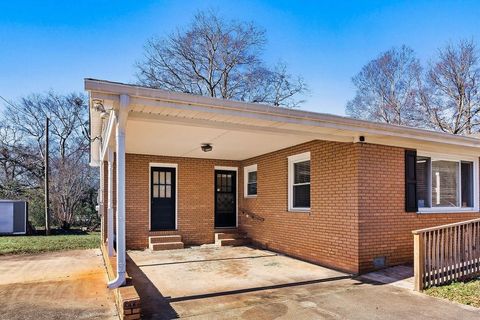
(339, 192)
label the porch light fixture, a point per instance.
(206, 147)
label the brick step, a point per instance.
(233, 242)
(165, 246)
(236, 235)
(164, 239)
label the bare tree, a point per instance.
(386, 88)
(450, 93)
(22, 140)
(218, 58)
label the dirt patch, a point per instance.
(68, 286)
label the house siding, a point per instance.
(357, 204)
(385, 228)
(195, 199)
(328, 234)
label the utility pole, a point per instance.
(47, 200)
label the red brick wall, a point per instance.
(384, 226)
(357, 204)
(195, 198)
(328, 234)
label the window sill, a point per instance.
(250, 196)
(447, 210)
(299, 210)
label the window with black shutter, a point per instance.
(444, 182)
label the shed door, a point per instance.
(6, 217)
(163, 198)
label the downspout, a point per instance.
(110, 203)
(120, 143)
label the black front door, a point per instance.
(225, 199)
(163, 197)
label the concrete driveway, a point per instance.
(245, 283)
(59, 285)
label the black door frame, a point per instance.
(225, 169)
(150, 195)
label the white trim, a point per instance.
(291, 161)
(449, 157)
(246, 171)
(161, 165)
(226, 168)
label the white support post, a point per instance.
(110, 203)
(120, 142)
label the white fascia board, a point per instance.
(182, 101)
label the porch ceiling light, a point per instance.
(206, 147)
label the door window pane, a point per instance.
(155, 191)
(168, 178)
(155, 177)
(162, 177)
(467, 184)
(445, 183)
(423, 182)
(162, 191)
(168, 191)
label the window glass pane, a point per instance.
(162, 177)
(168, 178)
(155, 177)
(301, 172)
(467, 184)
(445, 184)
(168, 191)
(252, 188)
(155, 191)
(301, 196)
(252, 176)
(224, 182)
(162, 191)
(423, 182)
(219, 182)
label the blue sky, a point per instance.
(55, 44)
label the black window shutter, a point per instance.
(411, 204)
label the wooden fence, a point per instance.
(446, 253)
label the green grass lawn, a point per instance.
(39, 243)
(463, 292)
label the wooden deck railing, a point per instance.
(446, 253)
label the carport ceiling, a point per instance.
(185, 140)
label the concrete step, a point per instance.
(165, 239)
(223, 235)
(233, 242)
(165, 246)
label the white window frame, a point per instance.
(246, 171)
(291, 161)
(448, 157)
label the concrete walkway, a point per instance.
(245, 283)
(58, 285)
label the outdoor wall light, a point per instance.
(206, 147)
